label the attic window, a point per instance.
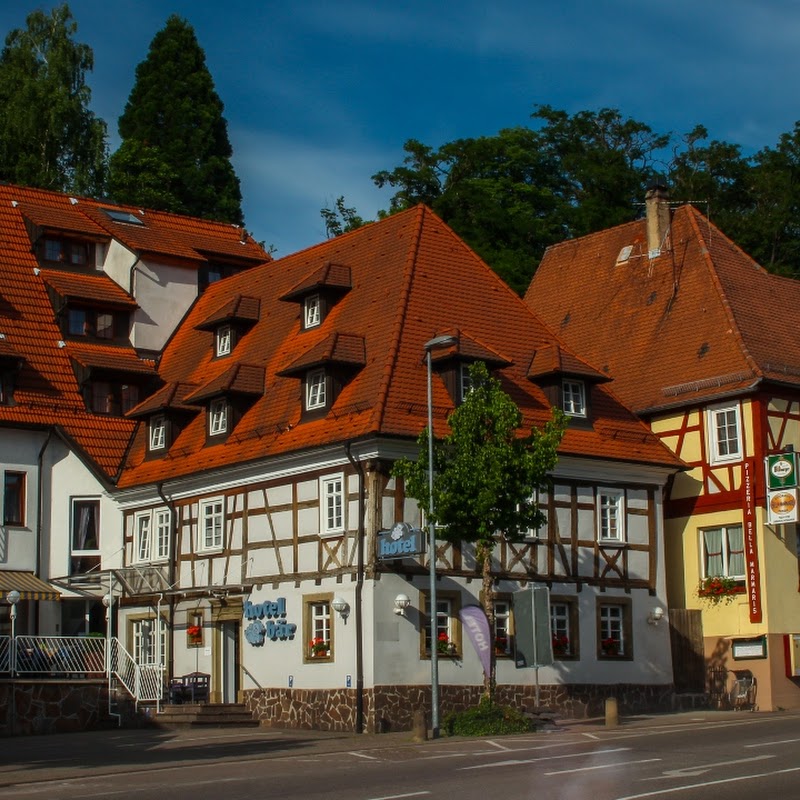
(123, 216)
(624, 254)
(574, 398)
(316, 386)
(224, 340)
(218, 417)
(55, 250)
(158, 432)
(312, 311)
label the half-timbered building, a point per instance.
(703, 345)
(260, 478)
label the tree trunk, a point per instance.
(483, 552)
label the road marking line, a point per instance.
(517, 761)
(602, 766)
(497, 745)
(398, 796)
(363, 755)
(685, 772)
(591, 736)
(719, 782)
(770, 744)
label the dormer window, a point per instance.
(573, 394)
(218, 417)
(158, 433)
(65, 251)
(316, 390)
(95, 324)
(110, 397)
(223, 339)
(312, 311)
(466, 384)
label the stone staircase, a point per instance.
(209, 715)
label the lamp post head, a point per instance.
(440, 341)
(13, 597)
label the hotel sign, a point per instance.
(402, 541)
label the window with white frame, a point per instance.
(312, 311)
(316, 395)
(149, 642)
(152, 535)
(318, 628)
(212, 520)
(223, 340)
(613, 630)
(85, 536)
(724, 433)
(447, 631)
(723, 552)
(158, 432)
(561, 629)
(218, 417)
(610, 515)
(466, 383)
(573, 398)
(502, 627)
(332, 504)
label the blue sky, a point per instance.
(322, 94)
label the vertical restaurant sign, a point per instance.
(751, 540)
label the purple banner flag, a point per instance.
(474, 621)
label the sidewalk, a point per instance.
(31, 759)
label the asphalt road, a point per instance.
(680, 757)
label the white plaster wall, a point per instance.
(164, 293)
(19, 452)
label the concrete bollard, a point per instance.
(419, 726)
(612, 713)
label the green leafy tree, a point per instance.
(486, 475)
(175, 152)
(340, 219)
(511, 195)
(48, 136)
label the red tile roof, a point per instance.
(412, 278)
(699, 321)
(46, 392)
(97, 288)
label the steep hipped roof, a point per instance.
(411, 279)
(699, 321)
(46, 392)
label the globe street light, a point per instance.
(13, 598)
(437, 341)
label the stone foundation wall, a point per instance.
(34, 707)
(391, 708)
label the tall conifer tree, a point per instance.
(48, 136)
(175, 152)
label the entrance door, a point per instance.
(230, 661)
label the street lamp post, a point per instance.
(438, 341)
(13, 598)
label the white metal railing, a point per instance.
(5, 654)
(78, 656)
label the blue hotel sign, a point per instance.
(267, 621)
(401, 541)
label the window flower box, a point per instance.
(718, 589)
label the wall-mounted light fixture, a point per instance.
(401, 603)
(655, 616)
(341, 607)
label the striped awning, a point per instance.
(28, 585)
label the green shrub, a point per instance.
(486, 719)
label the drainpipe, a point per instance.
(173, 522)
(359, 591)
(39, 516)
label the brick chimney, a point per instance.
(656, 203)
